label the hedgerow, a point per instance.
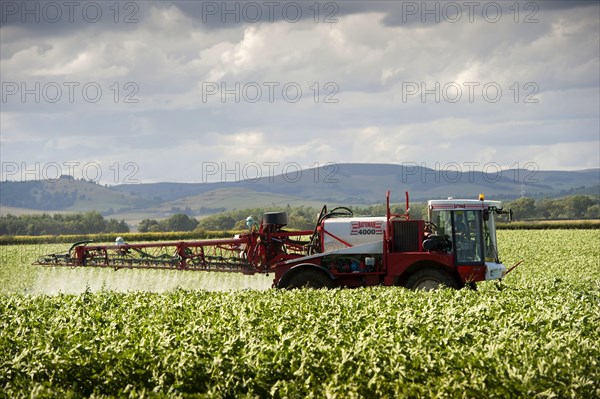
(110, 237)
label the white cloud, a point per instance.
(171, 55)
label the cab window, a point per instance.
(468, 236)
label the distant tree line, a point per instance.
(571, 207)
(301, 217)
(177, 222)
(75, 223)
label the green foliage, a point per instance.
(362, 343)
(177, 222)
(523, 208)
(577, 205)
(76, 223)
(534, 335)
(571, 207)
(149, 225)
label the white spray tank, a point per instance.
(342, 233)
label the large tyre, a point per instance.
(431, 279)
(310, 278)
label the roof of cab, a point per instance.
(451, 204)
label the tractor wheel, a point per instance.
(309, 278)
(431, 279)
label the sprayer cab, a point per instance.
(467, 228)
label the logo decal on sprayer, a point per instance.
(366, 228)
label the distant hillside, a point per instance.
(67, 194)
(350, 184)
(367, 183)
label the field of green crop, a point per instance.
(158, 334)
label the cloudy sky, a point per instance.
(197, 91)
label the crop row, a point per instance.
(377, 342)
(535, 334)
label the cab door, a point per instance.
(468, 237)
(464, 229)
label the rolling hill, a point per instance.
(343, 184)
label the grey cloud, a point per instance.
(55, 17)
(171, 52)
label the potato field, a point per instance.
(73, 333)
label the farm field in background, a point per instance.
(106, 333)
